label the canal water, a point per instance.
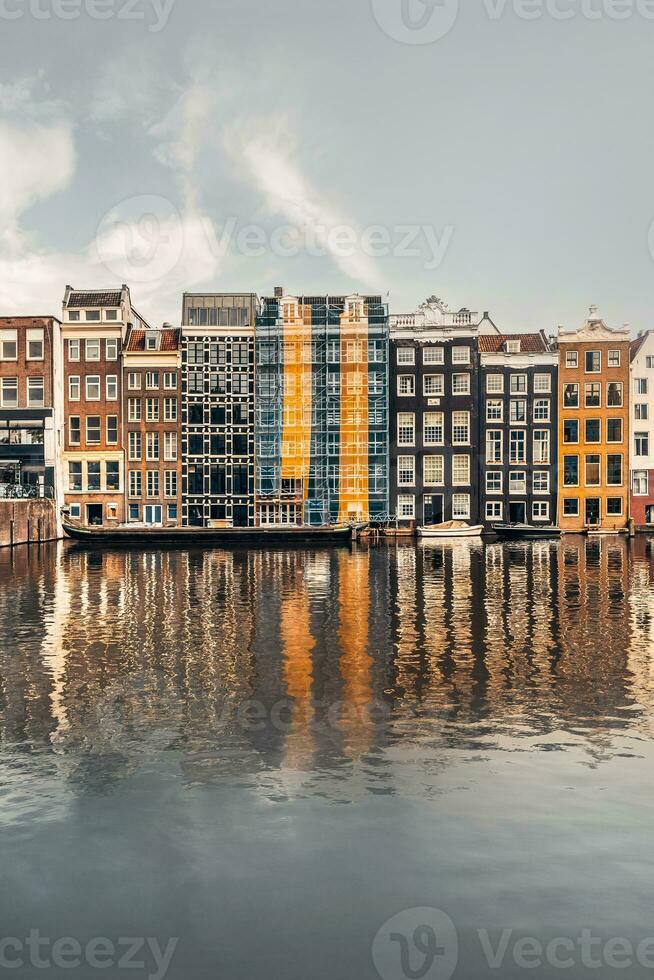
(339, 764)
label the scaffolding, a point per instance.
(321, 409)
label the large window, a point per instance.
(518, 384)
(593, 394)
(93, 389)
(406, 355)
(133, 409)
(542, 384)
(460, 428)
(153, 483)
(540, 510)
(518, 482)
(593, 430)
(35, 344)
(494, 410)
(152, 409)
(433, 384)
(460, 384)
(170, 409)
(406, 506)
(433, 355)
(406, 385)
(641, 386)
(111, 387)
(92, 349)
(542, 410)
(112, 430)
(460, 506)
(74, 430)
(614, 476)
(9, 392)
(74, 476)
(641, 411)
(494, 510)
(640, 483)
(641, 444)
(406, 429)
(135, 483)
(170, 446)
(111, 348)
(541, 481)
(93, 476)
(572, 359)
(35, 393)
(152, 446)
(570, 471)
(614, 430)
(614, 394)
(541, 446)
(495, 384)
(170, 483)
(433, 471)
(73, 388)
(614, 359)
(571, 430)
(593, 361)
(460, 355)
(517, 446)
(494, 481)
(93, 430)
(112, 474)
(134, 380)
(461, 471)
(152, 379)
(433, 429)
(135, 446)
(614, 507)
(571, 507)
(406, 471)
(571, 396)
(593, 474)
(8, 345)
(494, 446)
(518, 411)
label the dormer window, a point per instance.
(93, 315)
(111, 314)
(512, 346)
(152, 341)
(73, 316)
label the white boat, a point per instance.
(451, 529)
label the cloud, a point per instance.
(36, 161)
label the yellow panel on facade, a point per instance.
(297, 401)
(353, 502)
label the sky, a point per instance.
(496, 153)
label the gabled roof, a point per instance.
(91, 299)
(636, 345)
(169, 341)
(530, 343)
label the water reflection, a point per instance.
(321, 673)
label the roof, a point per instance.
(169, 341)
(530, 343)
(91, 299)
(636, 345)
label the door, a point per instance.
(240, 515)
(152, 514)
(517, 512)
(94, 514)
(433, 509)
(593, 510)
(649, 514)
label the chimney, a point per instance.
(279, 292)
(166, 326)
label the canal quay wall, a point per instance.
(24, 521)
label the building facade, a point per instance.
(642, 430)
(322, 409)
(218, 409)
(434, 412)
(518, 390)
(31, 405)
(594, 375)
(152, 389)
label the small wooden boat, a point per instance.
(140, 535)
(451, 529)
(526, 532)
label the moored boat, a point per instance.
(526, 532)
(144, 536)
(451, 529)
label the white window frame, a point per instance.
(438, 465)
(94, 380)
(111, 384)
(460, 506)
(406, 355)
(438, 352)
(87, 356)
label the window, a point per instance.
(593, 475)
(93, 429)
(111, 387)
(153, 483)
(433, 471)
(517, 446)
(112, 429)
(152, 409)
(170, 446)
(133, 409)
(92, 314)
(640, 483)
(8, 345)
(518, 481)
(571, 430)
(406, 355)
(494, 481)
(406, 425)
(614, 394)
(641, 411)
(518, 411)
(433, 429)
(494, 446)
(9, 392)
(406, 506)
(170, 380)
(541, 446)
(614, 430)
(73, 388)
(73, 350)
(172, 512)
(135, 483)
(518, 384)
(460, 506)
(614, 359)
(170, 483)
(461, 471)
(93, 476)
(571, 507)
(614, 507)
(649, 362)
(111, 349)
(512, 346)
(151, 379)
(152, 446)
(572, 359)
(593, 360)
(570, 471)
(92, 349)
(593, 430)
(460, 428)
(614, 470)
(460, 384)
(406, 384)
(134, 380)
(406, 471)
(542, 410)
(74, 476)
(593, 394)
(540, 510)
(170, 409)
(35, 393)
(493, 510)
(494, 410)
(35, 344)
(135, 445)
(495, 384)
(542, 384)
(433, 384)
(641, 443)
(433, 355)
(93, 387)
(460, 355)
(241, 383)
(112, 474)
(571, 396)
(541, 480)
(74, 430)
(151, 342)
(640, 386)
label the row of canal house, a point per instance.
(293, 409)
